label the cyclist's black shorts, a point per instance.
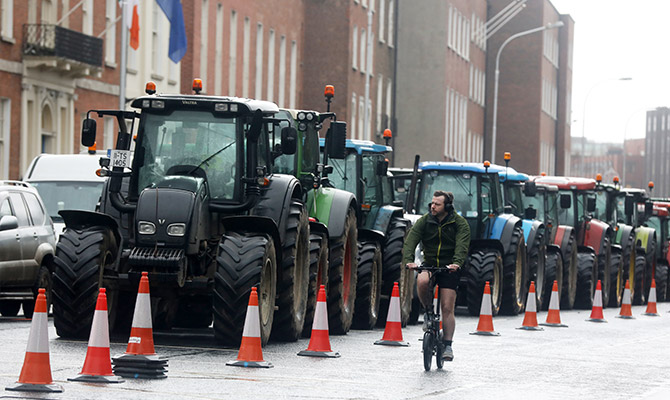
(448, 280)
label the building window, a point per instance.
(293, 80)
(87, 12)
(389, 100)
(458, 34)
(218, 51)
(110, 34)
(550, 47)
(271, 66)
(204, 43)
(258, 89)
(380, 87)
(7, 21)
(361, 118)
(354, 51)
(156, 60)
(232, 59)
(246, 49)
(48, 133)
(282, 71)
(382, 23)
(390, 34)
(352, 125)
(364, 45)
(4, 137)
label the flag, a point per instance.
(174, 14)
(132, 21)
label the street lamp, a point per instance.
(583, 166)
(497, 76)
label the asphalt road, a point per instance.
(620, 359)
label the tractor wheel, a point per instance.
(369, 285)
(661, 281)
(243, 262)
(318, 275)
(537, 259)
(43, 281)
(342, 277)
(587, 267)
(81, 257)
(485, 265)
(650, 267)
(394, 271)
(10, 308)
(616, 278)
(570, 262)
(604, 272)
(293, 287)
(636, 280)
(553, 272)
(515, 275)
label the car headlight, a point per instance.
(176, 229)
(146, 228)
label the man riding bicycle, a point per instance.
(445, 238)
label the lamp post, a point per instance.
(497, 77)
(583, 166)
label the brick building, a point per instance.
(657, 152)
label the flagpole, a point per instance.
(124, 55)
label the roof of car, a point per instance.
(17, 186)
(65, 167)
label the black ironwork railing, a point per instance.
(56, 41)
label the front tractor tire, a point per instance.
(368, 287)
(293, 288)
(570, 262)
(553, 272)
(616, 278)
(394, 271)
(81, 257)
(515, 275)
(636, 278)
(661, 278)
(587, 272)
(485, 265)
(342, 277)
(243, 261)
(537, 260)
(318, 275)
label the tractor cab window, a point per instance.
(536, 202)
(188, 142)
(620, 209)
(461, 183)
(369, 181)
(310, 150)
(601, 206)
(282, 163)
(514, 198)
(344, 173)
(581, 206)
(566, 216)
(552, 206)
(387, 190)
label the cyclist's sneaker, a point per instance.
(448, 353)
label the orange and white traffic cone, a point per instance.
(597, 310)
(251, 350)
(393, 331)
(319, 342)
(554, 314)
(626, 312)
(98, 365)
(485, 326)
(530, 318)
(140, 360)
(651, 303)
(36, 372)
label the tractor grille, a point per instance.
(166, 259)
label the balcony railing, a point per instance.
(42, 40)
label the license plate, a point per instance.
(119, 158)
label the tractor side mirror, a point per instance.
(289, 140)
(590, 204)
(337, 139)
(507, 209)
(88, 127)
(628, 205)
(648, 209)
(382, 167)
(327, 170)
(529, 189)
(529, 213)
(566, 201)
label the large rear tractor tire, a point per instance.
(617, 282)
(10, 308)
(485, 265)
(636, 280)
(81, 256)
(587, 268)
(342, 277)
(661, 281)
(293, 288)
(369, 285)
(570, 262)
(553, 272)
(394, 271)
(537, 259)
(318, 275)
(243, 262)
(515, 275)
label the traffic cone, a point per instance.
(393, 331)
(36, 372)
(554, 314)
(597, 310)
(140, 360)
(98, 365)
(319, 342)
(251, 351)
(626, 312)
(485, 326)
(530, 318)
(651, 303)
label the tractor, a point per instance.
(200, 210)
(660, 220)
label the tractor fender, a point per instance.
(562, 239)
(553, 248)
(340, 204)
(503, 229)
(79, 219)
(644, 237)
(531, 228)
(371, 235)
(275, 200)
(384, 217)
(318, 228)
(623, 232)
(595, 232)
(255, 224)
(586, 249)
(476, 244)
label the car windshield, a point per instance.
(68, 196)
(462, 184)
(194, 139)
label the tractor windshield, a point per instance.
(537, 202)
(344, 173)
(566, 216)
(551, 215)
(462, 184)
(514, 198)
(601, 206)
(184, 143)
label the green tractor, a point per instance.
(660, 221)
(200, 209)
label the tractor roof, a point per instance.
(568, 183)
(509, 173)
(546, 187)
(661, 208)
(267, 107)
(454, 166)
(361, 146)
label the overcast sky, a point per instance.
(618, 39)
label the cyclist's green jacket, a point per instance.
(443, 244)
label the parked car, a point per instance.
(27, 248)
(66, 182)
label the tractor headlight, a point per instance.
(309, 116)
(301, 116)
(146, 228)
(158, 104)
(176, 229)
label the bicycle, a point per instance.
(432, 338)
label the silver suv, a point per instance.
(27, 248)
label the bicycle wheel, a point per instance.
(427, 350)
(439, 350)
